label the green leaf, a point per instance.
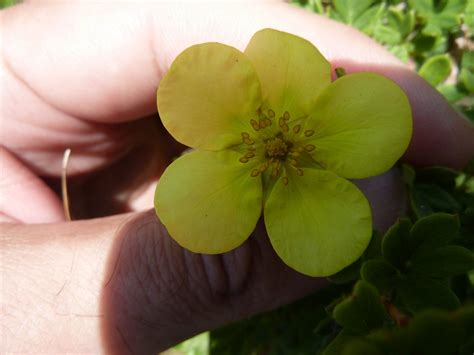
(369, 21)
(350, 10)
(432, 232)
(429, 198)
(424, 7)
(452, 93)
(394, 244)
(436, 69)
(467, 78)
(401, 51)
(468, 18)
(445, 177)
(403, 22)
(379, 273)
(387, 34)
(352, 272)
(421, 293)
(443, 262)
(374, 250)
(362, 311)
(434, 332)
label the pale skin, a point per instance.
(83, 75)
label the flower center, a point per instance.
(278, 149)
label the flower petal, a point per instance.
(208, 201)
(362, 125)
(208, 96)
(319, 223)
(292, 72)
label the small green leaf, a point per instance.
(379, 273)
(432, 232)
(452, 93)
(422, 293)
(362, 311)
(466, 76)
(443, 262)
(436, 69)
(394, 244)
(445, 177)
(350, 10)
(369, 21)
(429, 198)
(374, 250)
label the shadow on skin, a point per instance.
(159, 294)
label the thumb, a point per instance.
(159, 294)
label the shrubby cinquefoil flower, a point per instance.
(272, 133)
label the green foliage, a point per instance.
(431, 35)
(363, 311)
(412, 289)
(436, 69)
(6, 3)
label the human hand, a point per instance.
(120, 283)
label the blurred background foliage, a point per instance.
(412, 292)
(434, 37)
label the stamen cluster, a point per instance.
(277, 148)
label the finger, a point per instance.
(108, 59)
(122, 283)
(24, 197)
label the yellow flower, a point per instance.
(271, 132)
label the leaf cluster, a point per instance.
(411, 292)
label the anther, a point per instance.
(293, 162)
(243, 160)
(299, 172)
(263, 167)
(268, 121)
(271, 113)
(249, 155)
(245, 135)
(300, 149)
(255, 173)
(281, 121)
(285, 128)
(296, 129)
(285, 180)
(254, 124)
(309, 147)
(286, 116)
(308, 132)
(262, 123)
(249, 141)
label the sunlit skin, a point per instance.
(277, 118)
